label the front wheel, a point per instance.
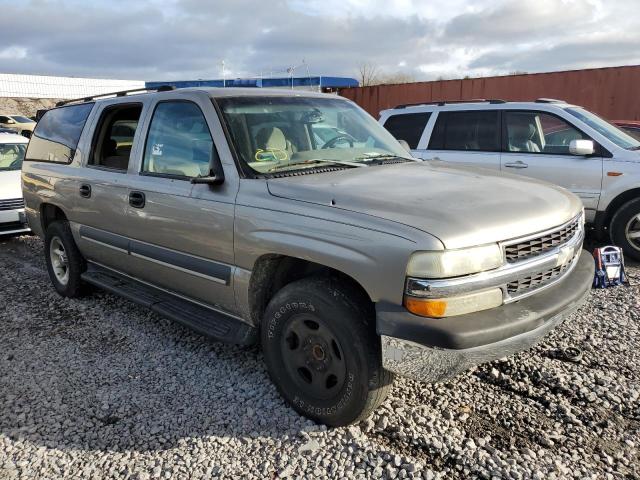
(322, 352)
(625, 229)
(64, 262)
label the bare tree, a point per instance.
(398, 77)
(368, 74)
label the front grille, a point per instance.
(11, 204)
(535, 246)
(531, 282)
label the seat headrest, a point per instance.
(271, 138)
(110, 147)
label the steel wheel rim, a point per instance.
(632, 231)
(59, 260)
(313, 357)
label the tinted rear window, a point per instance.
(408, 127)
(56, 136)
(470, 130)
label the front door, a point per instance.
(179, 242)
(537, 145)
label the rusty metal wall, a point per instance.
(613, 93)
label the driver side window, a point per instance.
(178, 143)
(539, 132)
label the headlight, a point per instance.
(454, 263)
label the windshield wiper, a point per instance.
(637, 147)
(321, 160)
(385, 156)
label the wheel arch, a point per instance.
(272, 272)
(603, 223)
(50, 213)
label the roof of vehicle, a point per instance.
(213, 92)
(12, 138)
(480, 104)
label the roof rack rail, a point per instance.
(549, 100)
(446, 102)
(122, 93)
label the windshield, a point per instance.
(605, 128)
(11, 155)
(289, 133)
(21, 119)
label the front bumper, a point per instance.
(13, 221)
(434, 350)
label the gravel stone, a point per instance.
(101, 388)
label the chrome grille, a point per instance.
(11, 204)
(537, 245)
(537, 280)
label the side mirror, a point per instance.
(582, 147)
(214, 178)
(405, 145)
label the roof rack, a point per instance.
(446, 102)
(549, 100)
(122, 93)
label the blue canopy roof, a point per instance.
(318, 81)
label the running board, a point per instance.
(209, 322)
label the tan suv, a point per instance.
(21, 124)
(295, 220)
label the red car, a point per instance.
(632, 127)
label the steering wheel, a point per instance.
(348, 138)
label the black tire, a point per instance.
(315, 329)
(75, 263)
(621, 221)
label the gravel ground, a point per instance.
(100, 388)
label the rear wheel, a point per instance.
(64, 261)
(625, 228)
(322, 352)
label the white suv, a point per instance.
(546, 139)
(12, 214)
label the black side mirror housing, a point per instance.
(214, 178)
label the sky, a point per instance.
(422, 39)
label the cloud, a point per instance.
(186, 39)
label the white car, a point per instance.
(547, 139)
(12, 216)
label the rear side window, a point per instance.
(178, 143)
(114, 136)
(408, 127)
(467, 131)
(56, 136)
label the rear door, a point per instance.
(469, 137)
(179, 241)
(536, 144)
(102, 190)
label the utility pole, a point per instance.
(224, 76)
(290, 72)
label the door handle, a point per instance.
(85, 190)
(136, 199)
(518, 164)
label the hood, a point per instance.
(10, 184)
(462, 206)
